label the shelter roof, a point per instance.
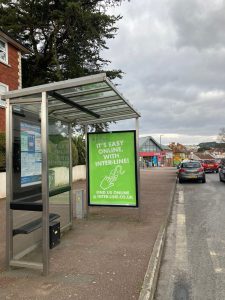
(85, 100)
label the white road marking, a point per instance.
(181, 197)
(215, 256)
(181, 255)
(181, 220)
(219, 270)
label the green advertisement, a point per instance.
(112, 168)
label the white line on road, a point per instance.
(181, 197)
(215, 256)
(181, 238)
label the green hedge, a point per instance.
(58, 149)
(2, 152)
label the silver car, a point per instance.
(222, 170)
(191, 170)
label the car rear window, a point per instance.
(191, 165)
(209, 161)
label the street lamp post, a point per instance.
(160, 139)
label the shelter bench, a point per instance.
(33, 225)
(35, 205)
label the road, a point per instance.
(193, 266)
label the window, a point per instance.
(149, 146)
(3, 52)
(191, 165)
(3, 89)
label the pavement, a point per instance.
(110, 255)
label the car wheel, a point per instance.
(217, 171)
(203, 180)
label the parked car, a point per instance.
(222, 170)
(210, 165)
(191, 170)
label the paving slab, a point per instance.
(104, 256)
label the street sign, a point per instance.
(112, 169)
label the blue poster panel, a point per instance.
(30, 135)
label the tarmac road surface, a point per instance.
(193, 266)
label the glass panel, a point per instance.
(83, 88)
(60, 204)
(27, 100)
(59, 164)
(92, 96)
(26, 151)
(26, 203)
(3, 55)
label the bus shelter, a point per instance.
(39, 159)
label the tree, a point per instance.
(221, 135)
(66, 37)
(79, 145)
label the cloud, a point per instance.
(199, 23)
(173, 54)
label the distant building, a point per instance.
(167, 156)
(153, 154)
(10, 69)
(150, 151)
(202, 156)
(180, 153)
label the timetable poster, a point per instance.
(30, 135)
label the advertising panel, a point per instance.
(112, 169)
(30, 147)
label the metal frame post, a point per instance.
(9, 213)
(138, 165)
(87, 181)
(45, 184)
(71, 175)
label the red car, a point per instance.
(210, 165)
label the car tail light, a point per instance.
(200, 169)
(182, 170)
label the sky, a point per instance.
(173, 55)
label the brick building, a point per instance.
(10, 69)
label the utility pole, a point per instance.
(160, 139)
(160, 147)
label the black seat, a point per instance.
(33, 225)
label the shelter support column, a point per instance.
(45, 185)
(87, 179)
(9, 214)
(71, 176)
(138, 165)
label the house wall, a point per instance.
(2, 119)
(10, 75)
